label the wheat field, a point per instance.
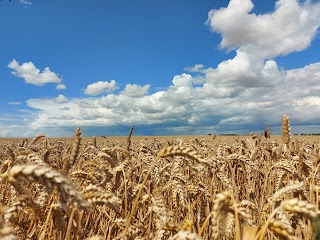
(251, 187)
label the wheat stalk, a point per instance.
(282, 229)
(48, 177)
(36, 138)
(74, 150)
(303, 208)
(285, 131)
(129, 139)
(6, 232)
(183, 151)
(96, 196)
(185, 235)
(294, 205)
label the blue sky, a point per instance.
(167, 67)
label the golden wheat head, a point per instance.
(48, 177)
(285, 129)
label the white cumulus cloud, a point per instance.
(291, 27)
(101, 87)
(183, 80)
(195, 68)
(134, 90)
(61, 86)
(32, 75)
(245, 70)
(61, 99)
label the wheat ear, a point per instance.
(185, 152)
(282, 229)
(286, 190)
(48, 177)
(185, 235)
(15, 206)
(285, 132)
(96, 237)
(302, 208)
(97, 197)
(222, 205)
(6, 232)
(36, 138)
(75, 146)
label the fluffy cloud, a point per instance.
(61, 99)
(195, 68)
(101, 87)
(309, 73)
(184, 80)
(134, 90)
(291, 27)
(32, 75)
(257, 39)
(61, 86)
(245, 70)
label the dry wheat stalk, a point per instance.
(11, 154)
(58, 216)
(75, 148)
(285, 131)
(287, 190)
(267, 132)
(286, 165)
(282, 229)
(301, 207)
(291, 188)
(129, 139)
(96, 196)
(48, 177)
(33, 158)
(94, 141)
(230, 226)
(183, 151)
(42, 198)
(282, 226)
(36, 138)
(45, 154)
(15, 206)
(105, 154)
(96, 237)
(222, 205)
(5, 165)
(225, 181)
(160, 209)
(185, 235)
(6, 232)
(133, 231)
(294, 205)
(279, 175)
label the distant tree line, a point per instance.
(308, 134)
(226, 134)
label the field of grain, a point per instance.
(206, 187)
